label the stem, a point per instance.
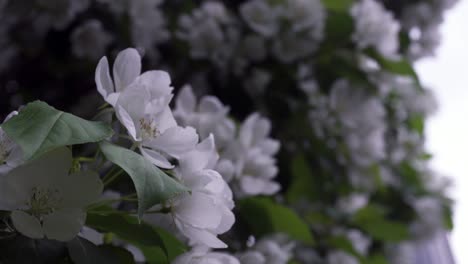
(85, 159)
(103, 111)
(109, 179)
(129, 198)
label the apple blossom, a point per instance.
(206, 211)
(10, 152)
(45, 200)
(127, 67)
(143, 110)
(204, 256)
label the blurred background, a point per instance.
(348, 86)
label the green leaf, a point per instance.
(39, 128)
(372, 220)
(82, 251)
(140, 234)
(375, 259)
(152, 185)
(401, 66)
(338, 5)
(343, 243)
(302, 185)
(263, 216)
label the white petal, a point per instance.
(43, 171)
(165, 119)
(200, 236)
(227, 221)
(247, 129)
(175, 141)
(64, 224)
(254, 186)
(127, 122)
(27, 224)
(92, 235)
(127, 67)
(10, 115)
(158, 83)
(252, 257)
(186, 100)
(211, 104)
(156, 158)
(81, 188)
(200, 157)
(103, 80)
(226, 169)
(198, 210)
(269, 146)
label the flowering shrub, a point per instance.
(282, 132)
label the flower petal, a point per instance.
(103, 80)
(127, 67)
(156, 158)
(253, 186)
(127, 122)
(200, 236)
(64, 224)
(27, 224)
(186, 100)
(198, 210)
(175, 141)
(199, 158)
(157, 82)
(80, 189)
(165, 119)
(211, 104)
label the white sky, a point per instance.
(447, 131)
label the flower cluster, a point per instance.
(296, 125)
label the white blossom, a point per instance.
(90, 40)
(148, 24)
(251, 155)
(261, 17)
(210, 31)
(206, 211)
(127, 67)
(204, 256)
(144, 111)
(275, 249)
(341, 257)
(10, 153)
(142, 106)
(208, 116)
(362, 120)
(45, 200)
(375, 27)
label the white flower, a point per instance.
(10, 153)
(261, 17)
(362, 120)
(375, 26)
(45, 200)
(251, 157)
(206, 211)
(275, 249)
(143, 109)
(210, 31)
(90, 40)
(127, 67)
(148, 24)
(341, 257)
(203, 256)
(208, 116)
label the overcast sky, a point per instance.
(447, 131)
